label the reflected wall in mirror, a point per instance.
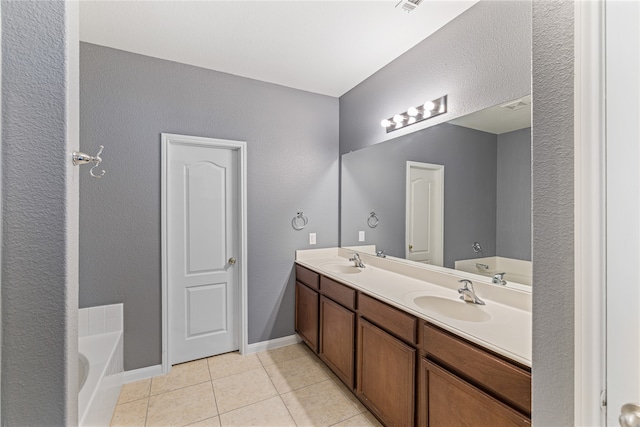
(486, 197)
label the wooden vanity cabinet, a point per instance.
(337, 339)
(338, 329)
(307, 306)
(463, 384)
(386, 367)
(408, 372)
(451, 401)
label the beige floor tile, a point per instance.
(295, 373)
(182, 375)
(281, 354)
(321, 404)
(232, 363)
(360, 420)
(243, 389)
(349, 394)
(130, 414)
(182, 407)
(270, 412)
(209, 422)
(134, 391)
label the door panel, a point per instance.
(425, 206)
(623, 205)
(206, 309)
(202, 212)
(205, 217)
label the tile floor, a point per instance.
(288, 386)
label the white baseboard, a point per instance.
(153, 371)
(274, 343)
(142, 373)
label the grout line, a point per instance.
(146, 413)
(287, 408)
(213, 390)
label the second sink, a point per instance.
(454, 309)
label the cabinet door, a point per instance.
(446, 401)
(386, 375)
(337, 331)
(307, 315)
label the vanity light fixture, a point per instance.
(416, 114)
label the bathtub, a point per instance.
(518, 272)
(100, 363)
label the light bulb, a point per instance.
(411, 120)
(412, 111)
(385, 123)
(398, 119)
(441, 110)
(429, 105)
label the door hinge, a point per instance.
(603, 399)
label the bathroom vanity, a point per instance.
(399, 337)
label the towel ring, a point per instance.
(295, 223)
(373, 220)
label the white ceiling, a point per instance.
(326, 47)
(500, 119)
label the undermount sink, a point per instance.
(341, 268)
(453, 308)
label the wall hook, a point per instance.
(80, 158)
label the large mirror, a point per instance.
(456, 195)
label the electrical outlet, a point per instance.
(360, 236)
(312, 238)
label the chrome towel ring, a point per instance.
(373, 220)
(299, 221)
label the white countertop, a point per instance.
(505, 327)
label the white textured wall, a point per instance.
(553, 213)
(39, 269)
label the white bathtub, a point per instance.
(518, 272)
(101, 358)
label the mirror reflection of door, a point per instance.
(425, 213)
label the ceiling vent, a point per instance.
(516, 105)
(408, 5)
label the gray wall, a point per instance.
(513, 211)
(374, 179)
(39, 259)
(553, 213)
(480, 59)
(126, 101)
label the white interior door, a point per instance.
(425, 213)
(202, 244)
(623, 205)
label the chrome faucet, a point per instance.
(467, 294)
(356, 260)
(498, 279)
(380, 254)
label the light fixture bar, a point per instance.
(416, 114)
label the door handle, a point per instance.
(630, 415)
(232, 261)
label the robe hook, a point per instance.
(80, 158)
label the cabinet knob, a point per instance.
(410, 247)
(232, 261)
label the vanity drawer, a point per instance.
(338, 292)
(504, 380)
(397, 322)
(308, 277)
